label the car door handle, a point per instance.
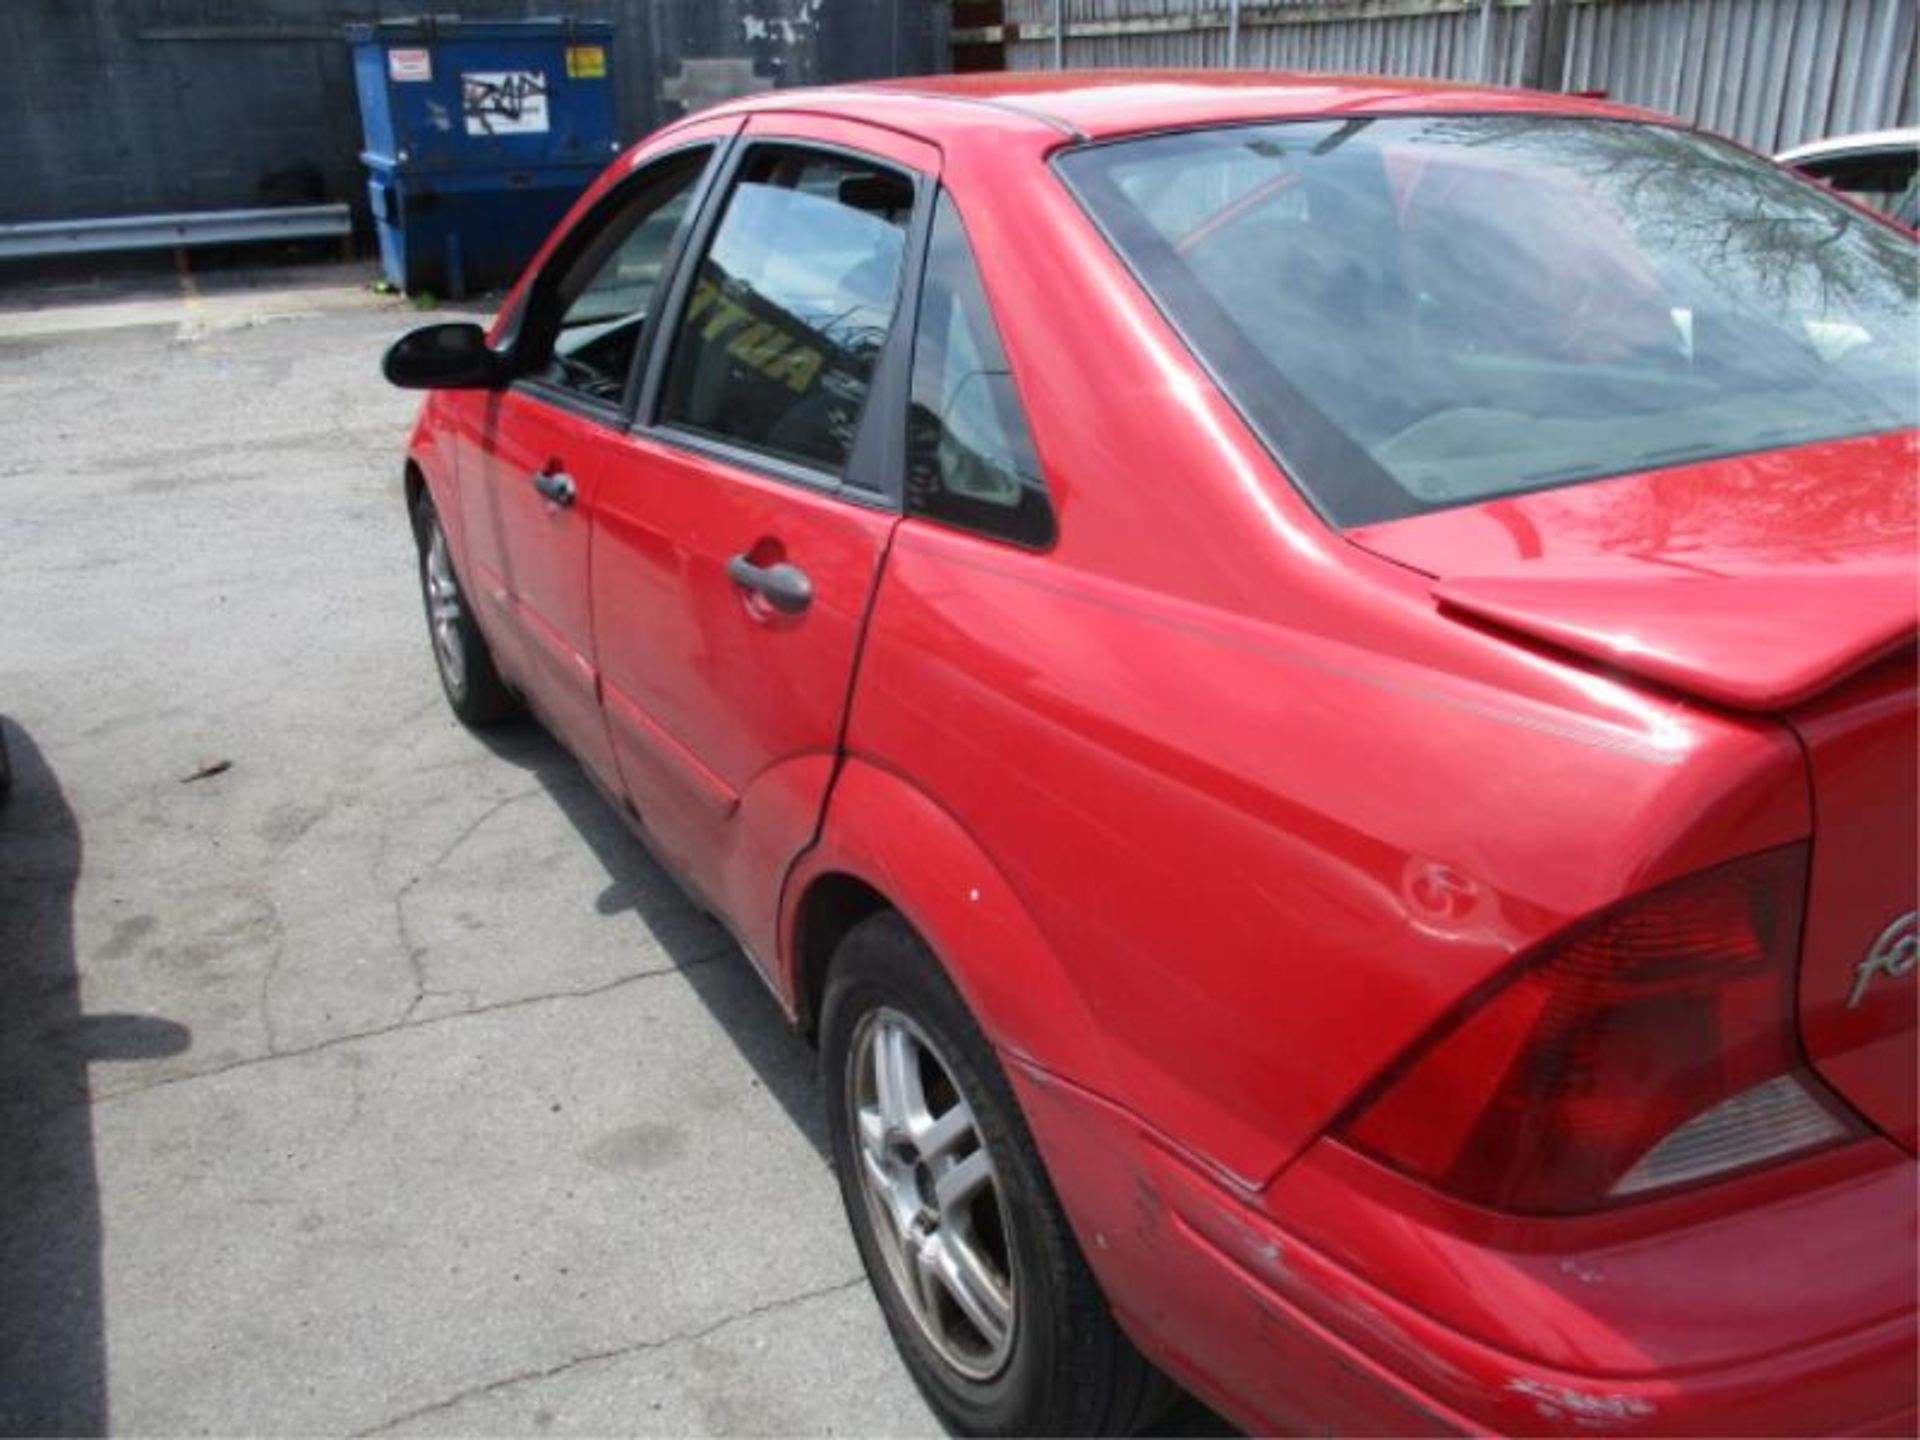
(785, 587)
(556, 485)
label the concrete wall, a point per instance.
(134, 106)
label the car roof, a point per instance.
(1866, 142)
(1097, 104)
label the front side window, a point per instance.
(603, 289)
(1418, 312)
(970, 460)
(776, 348)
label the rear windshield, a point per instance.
(1424, 312)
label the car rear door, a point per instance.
(552, 444)
(734, 562)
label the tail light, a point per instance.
(1651, 1046)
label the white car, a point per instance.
(1876, 168)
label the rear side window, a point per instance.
(790, 305)
(1880, 178)
(970, 459)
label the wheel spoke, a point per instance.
(877, 1175)
(896, 1078)
(973, 1288)
(923, 1259)
(936, 1138)
(960, 1184)
(886, 1198)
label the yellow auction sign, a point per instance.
(758, 344)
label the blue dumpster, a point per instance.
(478, 136)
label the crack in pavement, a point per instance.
(412, 953)
(274, 958)
(617, 1352)
(333, 1042)
(416, 954)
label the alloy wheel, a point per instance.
(932, 1193)
(444, 610)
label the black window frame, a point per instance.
(536, 305)
(874, 474)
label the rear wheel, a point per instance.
(982, 1284)
(474, 688)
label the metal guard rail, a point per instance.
(41, 238)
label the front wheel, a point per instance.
(982, 1284)
(474, 688)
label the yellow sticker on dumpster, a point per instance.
(586, 62)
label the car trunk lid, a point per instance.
(1781, 583)
(1858, 990)
(1756, 582)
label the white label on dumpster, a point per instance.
(405, 65)
(504, 102)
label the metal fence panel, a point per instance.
(1770, 72)
(135, 106)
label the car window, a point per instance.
(970, 459)
(608, 277)
(790, 305)
(1880, 178)
(1424, 312)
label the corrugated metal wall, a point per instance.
(1769, 72)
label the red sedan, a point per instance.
(1308, 687)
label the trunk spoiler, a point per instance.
(1766, 640)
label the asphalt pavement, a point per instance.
(357, 1075)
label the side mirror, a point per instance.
(450, 356)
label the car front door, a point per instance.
(551, 445)
(734, 563)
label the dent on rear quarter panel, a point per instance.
(1268, 861)
(1270, 812)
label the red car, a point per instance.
(1308, 687)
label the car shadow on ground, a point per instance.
(52, 1331)
(782, 1060)
(700, 950)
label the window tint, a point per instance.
(605, 287)
(790, 306)
(970, 460)
(1424, 312)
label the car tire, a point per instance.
(1060, 1365)
(479, 697)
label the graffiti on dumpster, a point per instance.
(504, 102)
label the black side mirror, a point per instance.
(450, 356)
